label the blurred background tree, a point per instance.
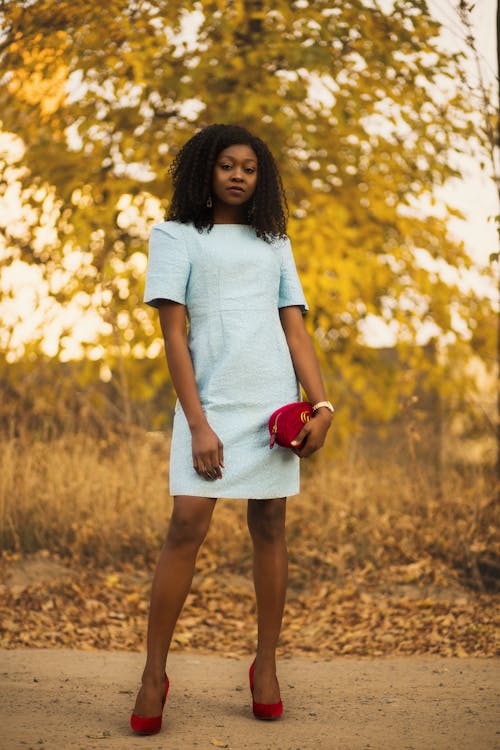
(366, 115)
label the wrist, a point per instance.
(323, 413)
(197, 423)
(323, 406)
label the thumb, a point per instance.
(300, 437)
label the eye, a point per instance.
(225, 166)
(250, 170)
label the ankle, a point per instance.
(153, 676)
(265, 661)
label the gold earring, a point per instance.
(209, 202)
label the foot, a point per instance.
(150, 698)
(266, 688)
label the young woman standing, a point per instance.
(222, 275)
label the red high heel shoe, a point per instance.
(266, 711)
(149, 724)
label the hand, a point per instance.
(313, 433)
(208, 452)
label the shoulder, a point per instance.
(168, 241)
(280, 242)
(171, 228)
(174, 234)
(283, 248)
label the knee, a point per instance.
(187, 529)
(266, 521)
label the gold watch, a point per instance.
(326, 404)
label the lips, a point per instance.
(236, 190)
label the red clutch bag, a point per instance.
(286, 422)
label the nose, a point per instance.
(238, 175)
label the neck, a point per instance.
(224, 214)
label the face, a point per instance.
(235, 175)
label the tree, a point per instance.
(363, 110)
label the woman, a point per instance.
(223, 264)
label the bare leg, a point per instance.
(266, 523)
(171, 583)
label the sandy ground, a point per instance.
(65, 700)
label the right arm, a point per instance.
(207, 449)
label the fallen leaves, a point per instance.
(370, 615)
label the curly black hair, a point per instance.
(192, 170)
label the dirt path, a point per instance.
(74, 700)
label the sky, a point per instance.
(475, 196)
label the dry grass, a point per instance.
(382, 560)
(106, 502)
(97, 499)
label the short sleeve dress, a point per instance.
(232, 284)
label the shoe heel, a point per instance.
(149, 724)
(264, 711)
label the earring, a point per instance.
(251, 209)
(209, 201)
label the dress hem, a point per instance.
(235, 497)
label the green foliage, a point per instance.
(363, 110)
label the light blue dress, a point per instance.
(232, 284)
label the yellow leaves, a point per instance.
(368, 616)
(36, 89)
(133, 598)
(135, 81)
(112, 580)
(41, 79)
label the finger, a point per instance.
(304, 446)
(299, 452)
(216, 466)
(201, 469)
(211, 468)
(306, 451)
(302, 452)
(221, 454)
(208, 475)
(215, 463)
(206, 461)
(301, 436)
(308, 448)
(215, 472)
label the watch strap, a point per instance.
(326, 404)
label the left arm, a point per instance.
(306, 366)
